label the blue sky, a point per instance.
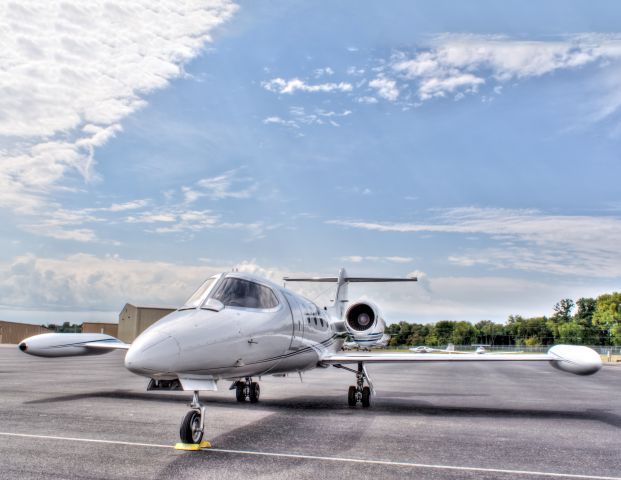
(472, 144)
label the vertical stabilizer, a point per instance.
(341, 295)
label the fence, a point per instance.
(602, 350)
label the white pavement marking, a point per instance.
(329, 459)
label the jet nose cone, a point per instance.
(152, 354)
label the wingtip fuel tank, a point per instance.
(66, 344)
(575, 359)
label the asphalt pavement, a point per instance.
(88, 418)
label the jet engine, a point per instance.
(365, 324)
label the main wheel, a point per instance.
(239, 392)
(351, 396)
(255, 391)
(190, 431)
(366, 397)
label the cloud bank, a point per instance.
(72, 71)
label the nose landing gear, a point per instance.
(247, 390)
(193, 424)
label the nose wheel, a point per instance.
(247, 390)
(193, 424)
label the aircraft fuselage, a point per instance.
(237, 342)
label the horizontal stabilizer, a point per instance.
(350, 279)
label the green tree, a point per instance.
(463, 333)
(418, 333)
(571, 332)
(562, 311)
(431, 339)
(585, 310)
(443, 331)
(404, 332)
(607, 315)
(491, 333)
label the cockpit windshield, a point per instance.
(199, 296)
(235, 292)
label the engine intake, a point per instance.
(365, 325)
(360, 317)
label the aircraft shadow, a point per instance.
(382, 406)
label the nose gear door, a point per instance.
(297, 339)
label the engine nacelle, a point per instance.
(365, 324)
(64, 344)
(575, 359)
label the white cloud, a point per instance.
(320, 72)
(280, 85)
(61, 233)
(300, 117)
(386, 88)
(439, 87)
(179, 219)
(71, 72)
(529, 239)
(366, 99)
(133, 205)
(370, 258)
(462, 63)
(230, 184)
(280, 121)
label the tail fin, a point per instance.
(340, 298)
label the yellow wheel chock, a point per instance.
(192, 446)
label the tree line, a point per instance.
(588, 321)
(64, 328)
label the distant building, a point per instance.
(15, 332)
(107, 328)
(133, 320)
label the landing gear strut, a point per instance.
(359, 392)
(247, 390)
(193, 424)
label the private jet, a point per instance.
(238, 327)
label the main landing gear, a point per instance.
(359, 392)
(247, 390)
(193, 424)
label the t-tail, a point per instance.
(363, 319)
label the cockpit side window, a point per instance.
(235, 292)
(198, 297)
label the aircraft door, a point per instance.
(297, 340)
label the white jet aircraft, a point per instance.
(238, 326)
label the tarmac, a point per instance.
(89, 418)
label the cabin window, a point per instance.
(321, 320)
(236, 292)
(315, 318)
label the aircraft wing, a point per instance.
(107, 345)
(569, 358)
(344, 358)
